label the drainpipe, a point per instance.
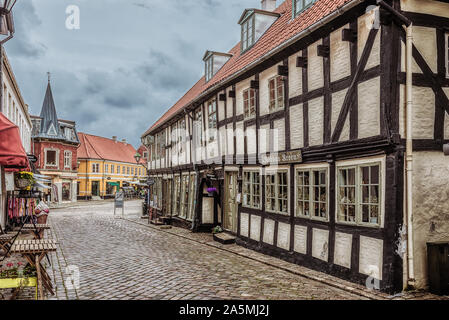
(409, 156)
(408, 112)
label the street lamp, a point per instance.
(6, 19)
(137, 156)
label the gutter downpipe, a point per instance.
(409, 157)
(305, 32)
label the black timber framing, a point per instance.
(336, 151)
(349, 98)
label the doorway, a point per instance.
(66, 191)
(231, 206)
(95, 188)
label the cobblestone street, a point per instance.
(119, 259)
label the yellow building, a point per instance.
(106, 165)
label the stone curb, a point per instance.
(329, 282)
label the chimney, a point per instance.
(114, 138)
(124, 141)
(268, 5)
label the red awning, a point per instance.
(12, 154)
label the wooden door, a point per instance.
(231, 206)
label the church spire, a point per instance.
(49, 125)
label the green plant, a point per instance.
(15, 271)
(217, 229)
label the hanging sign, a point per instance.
(151, 181)
(282, 158)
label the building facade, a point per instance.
(296, 139)
(106, 165)
(13, 105)
(55, 144)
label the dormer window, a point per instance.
(214, 61)
(248, 33)
(254, 24)
(301, 5)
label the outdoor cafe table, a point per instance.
(34, 251)
(36, 228)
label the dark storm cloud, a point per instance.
(25, 20)
(126, 65)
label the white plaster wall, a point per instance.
(221, 109)
(268, 231)
(244, 224)
(337, 103)
(425, 40)
(283, 240)
(339, 55)
(223, 141)
(264, 92)
(300, 245)
(240, 138)
(364, 28)
(240, 87)
(369, 108)
(430, 207)
(255, 227)
(229, 104)
(294, 76)
(315, 67)
(230, 134)
(320, 244)
(264, 138)
(316, 119)
(436, 8)
(296, 126)
(423, 113)
(279, 135)
(251, 139)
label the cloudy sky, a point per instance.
(129, 62)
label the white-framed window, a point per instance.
(192, 191)
(301, 5)
(51, 157)
(360, 192)
(118, 169)
(106, 168)
(212, 118)
(123, 169)
(67, 159)
(252, 186)
(312, 192)
(198, 125)
(176, 194)
(276, 91)
(184, 196)
(95, 168)
(112, 168)
(209, 65)
(249, 103)
(127, 170)
(248, 33)
(277, 191)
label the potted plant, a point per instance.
(24, 180)
(211, 191)
(217, 229)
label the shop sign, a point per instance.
(282, 158)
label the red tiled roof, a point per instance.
(282, 30)
(94, 147)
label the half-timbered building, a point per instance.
(318, 138)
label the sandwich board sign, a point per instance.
(119, 202)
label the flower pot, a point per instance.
(22, 183)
